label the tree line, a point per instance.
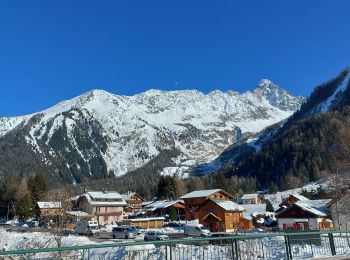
(19, 196)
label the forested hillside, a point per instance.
(314, 143)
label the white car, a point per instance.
(155, 235)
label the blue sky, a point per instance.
(55, 50)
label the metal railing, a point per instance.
(284, 245)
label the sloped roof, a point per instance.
(311, 209)
(299, 197)
(49, 204)
(97, 198)
(202, 193)
(249, 196)
(162, 204)
(250, 209)
(129, 194)
(104, 195)
(228, 205)
(146, 203)
(154, 204)
(315, 207)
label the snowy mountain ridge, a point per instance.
(100, 131)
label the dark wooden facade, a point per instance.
(192, 205)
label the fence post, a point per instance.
(236, 249)
(331, 243)
(166, 251)
(171, 252)
(288, 248)
(232, 250)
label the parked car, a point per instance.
(155, 235)
(125, 232)
(32, 223)
(137, 229)
(196, 231)
(175, 225)
(88, 228)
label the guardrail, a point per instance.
(283, 245)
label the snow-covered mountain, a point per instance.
(308, 146)
(101, 134)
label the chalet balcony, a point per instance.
(111, 213)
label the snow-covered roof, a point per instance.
(161, 204)
(254, 209)
(145, 203)
(307, 207)
(74, 198)
(316, 207)
(145, 219)
(110, 198)
(227, 204)
(249, 196)
(104, 195)
(49, 204)
(128, 195)
(154, 204)
(299, 197)
(200, 193)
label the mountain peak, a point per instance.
(266, 84)
(277, 96)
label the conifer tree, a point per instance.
(37, 187)
(166, 187)
(23, 201)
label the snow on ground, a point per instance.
(279, 196)
(10, 240)
(264, 248)
(324, 107)
(255, 209)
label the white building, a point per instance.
(302, 215)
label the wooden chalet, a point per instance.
(195, 199)
(221, 215)
(46, 210)
(134, 202)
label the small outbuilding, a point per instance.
(145, 223)
(47, 209)
(251, 199)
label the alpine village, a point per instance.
(88, 169)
